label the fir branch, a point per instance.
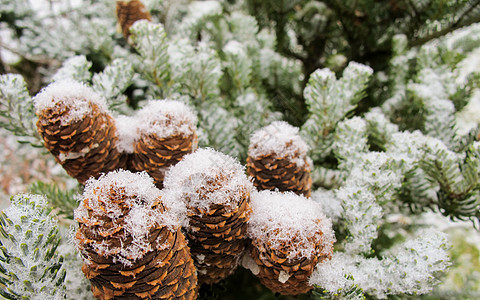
(63, 201)
(350, 142)
(197, 70)
(238, 66)
(417, 192)
(353, 292)
(113, 81)
(76, 68)
(458, 179)
(76, 283)
(30, 265)
(329, 100)
(380, 130)
(150, 40)
(220, 125)
(17, 113)
(416, 261)
(436, 34)
(361, 215)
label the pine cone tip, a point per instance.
(209, 178)
(75, 97)
(280, 139)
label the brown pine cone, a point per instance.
(131, 242)
(217, 194)
(290, 235)
(166, 133)
(128, 12)
(78, 130)
(277, 159)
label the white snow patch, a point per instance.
(74, 95)
(469, 117)
(249, 263)
(127, 133)
(283, 276)
(200, 258)
(166, 118)
(280, 139)
(203, 9)
(74, 155)
(287, 219)
(331, 205)
(234, 47)
(207, 177)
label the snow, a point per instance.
(127, 133)
(207, 177)
(76, 67)
(17, 210)
(166, 118)
(234, 47)
(24, 224)
(283, 276)
(203, 9)
(375, 172)
(280, 219)
(415, 261)
(331, 205)
(362, 215)
(139, 194)
(249, 263)
(74, 95)
(74, 155)
(280, 139)
(469, 116)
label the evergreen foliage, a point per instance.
(63, 200)
(17, 113)
(376, 89)
(30, 265)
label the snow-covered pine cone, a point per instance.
(217, 194)
(166, 132)
(128, 12)
(290, 235)
(130, 239)
(78, 130)
(277, 159)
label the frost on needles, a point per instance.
(29, 263)
(408, 269)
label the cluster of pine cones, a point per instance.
(87, 140)
(197, 215)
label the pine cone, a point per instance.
(130, 11)
(77, 130)
(277, 159)
(166, 133)
(217, 194)
(290, 235)
(131, 240)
